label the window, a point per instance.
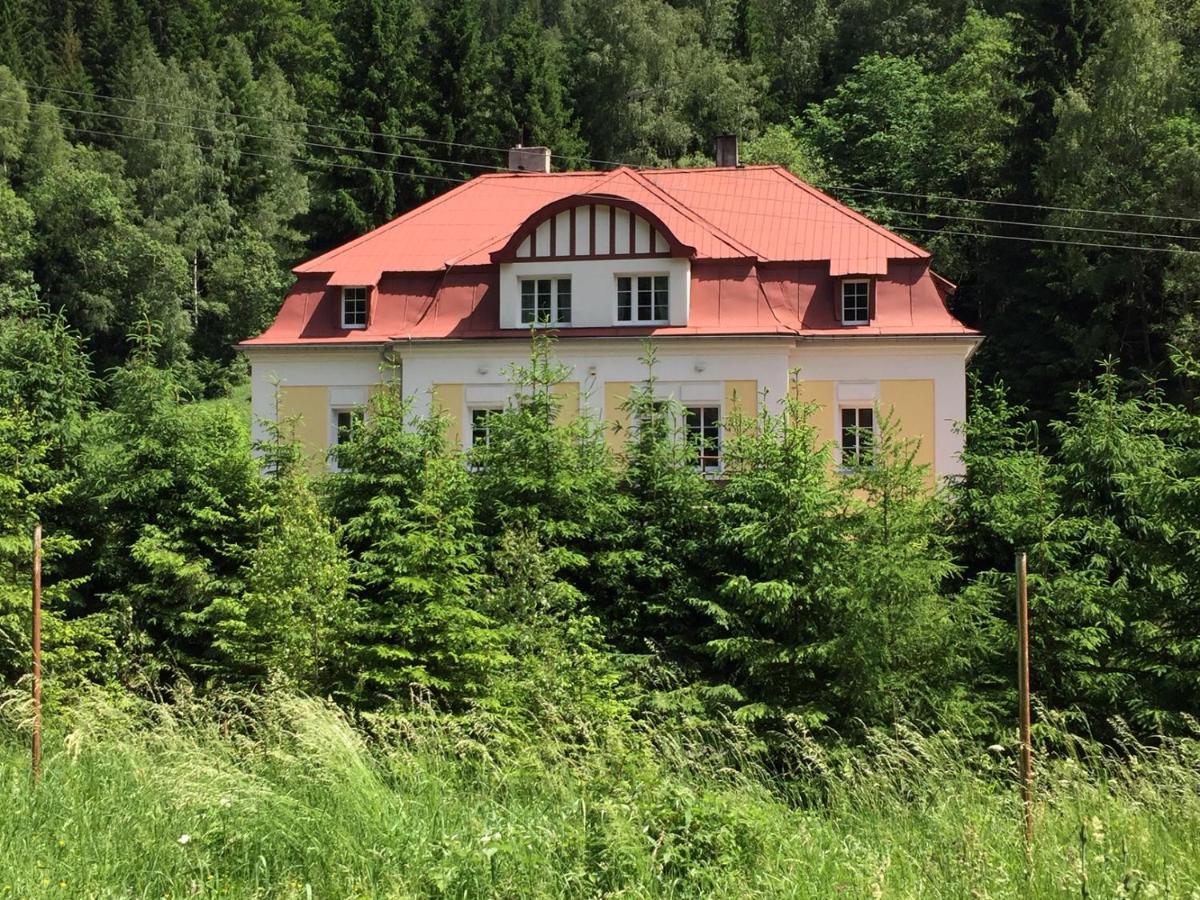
(346, 423)
(704, 435)
(655, 419)
(481, 426)
(856, 302)
(354, 307)
(858, 435)
(643, 298)
(545, 301)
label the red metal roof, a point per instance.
(766, 245)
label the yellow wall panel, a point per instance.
(910, 404)
(741, 396)
(822, 393)
(615, 394)
(569, 411)
(309, 405)
(449, 399)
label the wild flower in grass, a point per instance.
(185, 839)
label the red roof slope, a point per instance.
(761, 212)
(768, 248)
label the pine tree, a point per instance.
(407, 509)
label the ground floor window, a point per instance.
(858, 435)
(346, 424)
(481, 425)
(703, 426)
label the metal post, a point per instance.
(37, 651)
(1023, 692)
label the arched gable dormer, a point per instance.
(591, 226)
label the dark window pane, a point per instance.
(564, 300)
(704, 435)
(645, 299)
(624, 300)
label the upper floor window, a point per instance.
(545, 301)
(643, 298)
(856, 302)
(354, 307)
(858, 435)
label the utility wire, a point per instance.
(614, 163)
(1069, 209)
(454, 162)
(824, 222)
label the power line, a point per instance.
(1087, 228)
(327, 163)
(389, 154)
(504, 150)
(1036, 240)
(266, 137)
(1070, 209)
(217, 112)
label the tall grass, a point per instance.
(285, 797)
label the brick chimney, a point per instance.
(529, 159)
(725, 151)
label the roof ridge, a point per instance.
(684, 209)
(820, 195)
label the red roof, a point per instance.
(766, 245)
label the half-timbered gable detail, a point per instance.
(591, 226)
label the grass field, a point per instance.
(289, 799)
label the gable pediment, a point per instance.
(591, 226)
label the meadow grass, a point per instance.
(285, 797)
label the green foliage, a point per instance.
(167, 488)
(45, 389)
(292, 621)
(280, 796)
(534, 108)
(652, 92)
(777, 535)
(407, 504)
(658, 561)
(1108, 520)
(554, 481)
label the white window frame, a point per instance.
(858, 408)
(366, 301)
(634, 277)
(845, 283)
(335, 431)
(555, 286)
(712, 470)
(469, 421)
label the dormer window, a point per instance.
(545, 301)
(856, 301)
(643, 299)
(354, 307)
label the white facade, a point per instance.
(690, 369)
(594, 288)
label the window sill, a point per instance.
(346, 327)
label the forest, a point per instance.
(550, 669)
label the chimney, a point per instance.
(725, 149)
(529, 159)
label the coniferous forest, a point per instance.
(548, 669)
